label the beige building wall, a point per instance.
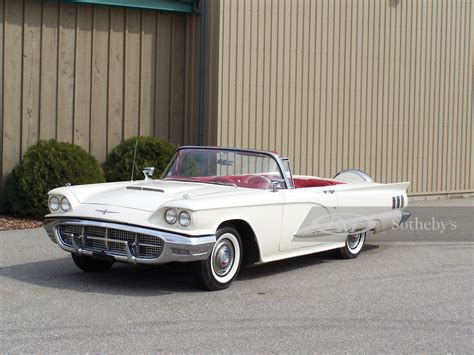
(95, 75)
(380, 85)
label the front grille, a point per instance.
(111, 240)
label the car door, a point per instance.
(307, 217)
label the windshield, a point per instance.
(224, 167)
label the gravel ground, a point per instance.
(11, 223)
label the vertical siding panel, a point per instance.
(445, 99)
(429, 97)
(285, 7)
(246, 56)
(83, 77)
(66, 78)
(324, 90)
(260, 46)
(116, 78)
(177, 79)
(132, 73)
(147, 73)
(302, 140)
(392, 91)
(163, 64)
(296, 114)
(352, 85)
(49, 50)
(363, 153)
(346, 89)
(100, 54)
(466, 116)
(311, 115)
(410, 78)
(437, 97)
(281, 56)
(231, 119)
(371, 86)
(406, 86)
(469, 95)
(450, 118)
(252, 109)
(192, 81)
(460, 20)
(273, 40)
(267, 79)
(225, 74)
(239, 72)
(293, 42)
(12, 74)
(31, 73)
(334, 24)
(358, 20)
(418, 114)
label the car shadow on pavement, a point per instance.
(296, 263)
(122, 279)
(143, 281)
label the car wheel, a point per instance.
(353, 246)
(88, 264)
(219, 270)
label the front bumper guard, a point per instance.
(176, 248)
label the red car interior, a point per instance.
(261, 181)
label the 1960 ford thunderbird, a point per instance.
(221, 208)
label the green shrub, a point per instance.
(151, 151)
(47, 165)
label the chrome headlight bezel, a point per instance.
(64, 203)
(54, 201)
(170, 216)
(184, 219)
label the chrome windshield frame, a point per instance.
(272, 155)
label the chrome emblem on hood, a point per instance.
(106, 211)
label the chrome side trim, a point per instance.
(176, 247)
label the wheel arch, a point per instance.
(250, 247)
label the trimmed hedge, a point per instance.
(151, 151)
(47, 165)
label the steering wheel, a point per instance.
(261, 178)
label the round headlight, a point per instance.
(65, 204)
(184, 218)
(54, 203)
(171, 216)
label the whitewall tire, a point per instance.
(353, 246)
(223, 264)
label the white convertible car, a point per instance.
(221, 208)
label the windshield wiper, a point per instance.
(220, 183)
(203, 182)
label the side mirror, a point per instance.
(276, 184)
(148, 172)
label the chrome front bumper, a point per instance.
(174, 247)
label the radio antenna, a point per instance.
(134, 158)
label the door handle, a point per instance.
(328, 191)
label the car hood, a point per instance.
(149, 196)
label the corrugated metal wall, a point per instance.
(94, 75)
(380, 85)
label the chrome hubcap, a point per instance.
(353, 240)
(223, 257)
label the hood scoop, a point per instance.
(141, 188)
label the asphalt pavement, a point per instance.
(410, 291)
